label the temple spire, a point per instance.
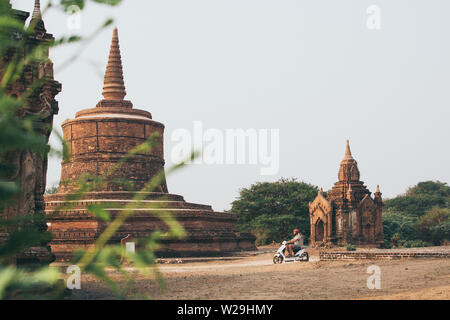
(36, 21)
(37, 10)
(350, 193)
(348, 153)
(114, 86)
(378, 194)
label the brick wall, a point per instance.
(352, 255)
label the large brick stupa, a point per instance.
(98, 138)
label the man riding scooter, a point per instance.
(295, 244)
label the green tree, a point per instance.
(434, 225)
(433, 188)
(272, 210)
(399, 226)
(420, 216)
(420, 198)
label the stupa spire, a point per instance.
(348, 153)
(37, 10)
(114, 86)
(36, 21)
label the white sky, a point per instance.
(309, 68)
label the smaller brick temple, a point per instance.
(98, 139)
(347, 214)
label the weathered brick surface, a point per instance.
(352, 255)
(37, 88)
(99, 142)
(208, 232)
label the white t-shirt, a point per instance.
(298, 241)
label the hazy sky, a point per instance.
(311, 69)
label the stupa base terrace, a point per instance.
(208, 233)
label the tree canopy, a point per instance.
(272, 210)
(421, 198)
(418, 217)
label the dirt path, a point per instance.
(257, 277)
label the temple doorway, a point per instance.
(320, 231)
(368, 233)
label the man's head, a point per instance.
(296, 231)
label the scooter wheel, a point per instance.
(306, 256)
(278, 259)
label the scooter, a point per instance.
(299, 255)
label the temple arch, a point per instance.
(319, 235)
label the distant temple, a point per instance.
(347, 214)
(98, 138)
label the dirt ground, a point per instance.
(256, 277)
